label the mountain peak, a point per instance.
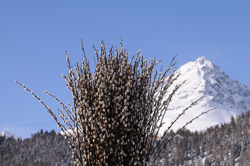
(200, 66)
(201, 60)
(8, 134)
(228, 96)
(204, 64)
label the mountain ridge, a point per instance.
(8, 134)
(228, 96)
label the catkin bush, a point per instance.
(117, 111)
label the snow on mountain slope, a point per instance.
(228, 96)
(8, 134)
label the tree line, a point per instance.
(226, 144)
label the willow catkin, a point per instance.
(114, 119)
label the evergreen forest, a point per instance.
(226, 144)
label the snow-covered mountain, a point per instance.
(8, 134)
(228, 96)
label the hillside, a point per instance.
(227, 144)
(7, 134)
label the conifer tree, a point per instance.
(2, 139)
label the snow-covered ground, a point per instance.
(8, 134)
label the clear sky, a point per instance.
(35, 34)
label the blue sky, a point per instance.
(35, 34)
